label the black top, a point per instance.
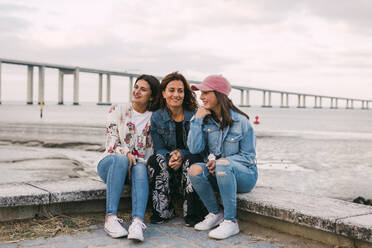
(179, 135)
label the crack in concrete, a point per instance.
(351, 216)
(33, 159)
(49, 193)
(45, 144)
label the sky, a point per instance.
(315, 46)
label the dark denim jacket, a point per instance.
(163, 132)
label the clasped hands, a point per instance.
(175, 160)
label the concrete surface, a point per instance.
(319, 213)
(326, 214)
(171, 234)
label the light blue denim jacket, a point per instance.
(163, 132)
(236, 143)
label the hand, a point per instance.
(132, 159)
(202, 112)
(175, 160)
(211, 166)
(175, 165)
(175, 155)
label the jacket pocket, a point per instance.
(213, 138)
(231, 144)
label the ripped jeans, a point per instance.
(231, 178)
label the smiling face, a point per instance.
(209, 100)
(174, 94)
(141, 93)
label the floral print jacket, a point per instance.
(121, 135)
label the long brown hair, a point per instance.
(226, 104)
(189, 101)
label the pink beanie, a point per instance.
(214, 82)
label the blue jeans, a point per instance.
(113, 169)
(231, 178)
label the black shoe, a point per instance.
(156, 219)
(191, 221)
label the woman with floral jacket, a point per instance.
(128, 146)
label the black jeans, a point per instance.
(165, 184)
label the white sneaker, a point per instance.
(136, 230)
(210, 221)
(114, 228)
(226, 229)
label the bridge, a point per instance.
(335, 102)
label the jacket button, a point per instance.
(209, 129)
(232, 138)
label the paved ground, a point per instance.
(171, 234)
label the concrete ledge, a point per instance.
(30, 199)
(22, 194)
(349, 223)
(331, 215)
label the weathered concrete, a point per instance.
(21, 194)
(349, 223)
(77, 195)
(75, 189)
(172, 234)
(359, 227)
(315, 212)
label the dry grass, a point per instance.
(47, 227)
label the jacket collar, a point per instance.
(234, 115)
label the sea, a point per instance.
(322, 152)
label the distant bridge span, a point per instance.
(244, 96)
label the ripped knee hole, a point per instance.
(223, 161)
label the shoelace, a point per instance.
(209, 216)
(141, 224)
(117, 219)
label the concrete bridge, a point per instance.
(335, 102)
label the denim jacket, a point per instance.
(163, 132)
(236, 143)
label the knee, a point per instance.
(195, 170)
(222, 167)
(139, 171)
(120, 161)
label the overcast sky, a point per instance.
(319, 47)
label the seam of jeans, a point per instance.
(108, 192)
(221, 187)
(134, 198)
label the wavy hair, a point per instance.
(189, 101)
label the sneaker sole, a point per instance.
(135, 238)
(157, 222)
(115, 235)
(220, 238)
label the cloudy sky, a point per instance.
(313, 46)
